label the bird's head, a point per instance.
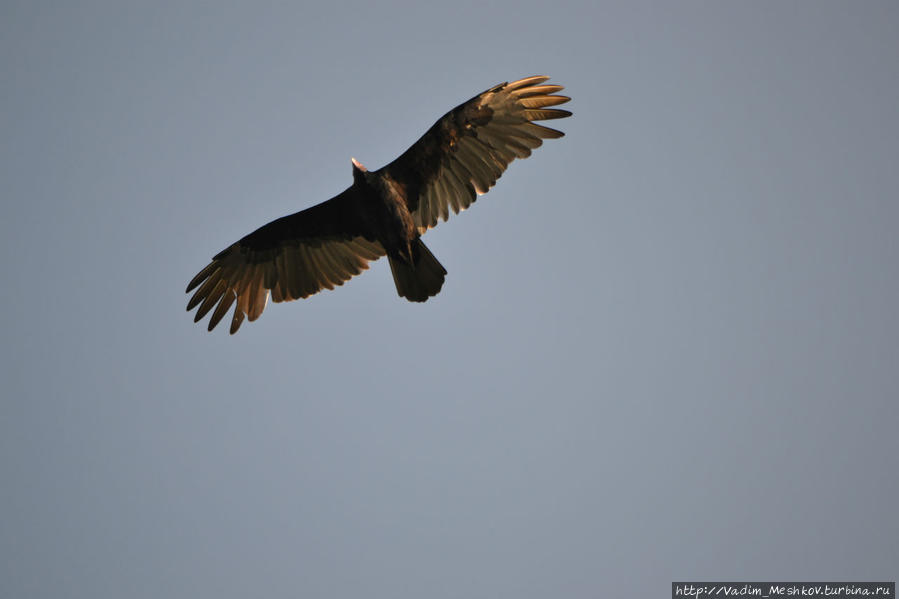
(358, 171)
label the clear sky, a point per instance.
(667, 347)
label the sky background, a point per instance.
(667, 347)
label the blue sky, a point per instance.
(666, 348)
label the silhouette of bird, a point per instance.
(384, 211)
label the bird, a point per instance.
(385, 211)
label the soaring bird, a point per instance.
(384, 211)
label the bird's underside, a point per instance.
(384, 212)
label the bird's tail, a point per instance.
(419, 279)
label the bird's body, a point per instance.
(382, 212)
(390, 221)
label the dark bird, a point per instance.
(384, 211)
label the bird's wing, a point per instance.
(292, 257)
(463, 154)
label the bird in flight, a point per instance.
(384, 211)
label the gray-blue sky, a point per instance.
(667, 347)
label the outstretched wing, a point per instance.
(469, 148)
(292, 257)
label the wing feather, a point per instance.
(202, 276)
(211, 300)
(545, 114)
(236, 320)
(222, 308)
(340, 267)
(543, 101)
(205, 289)
(541, 132)
(312, 277)
(527, 81)
(259, 299)
(328, 267)
(284, 287)
(320, 266)
(368, 249)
